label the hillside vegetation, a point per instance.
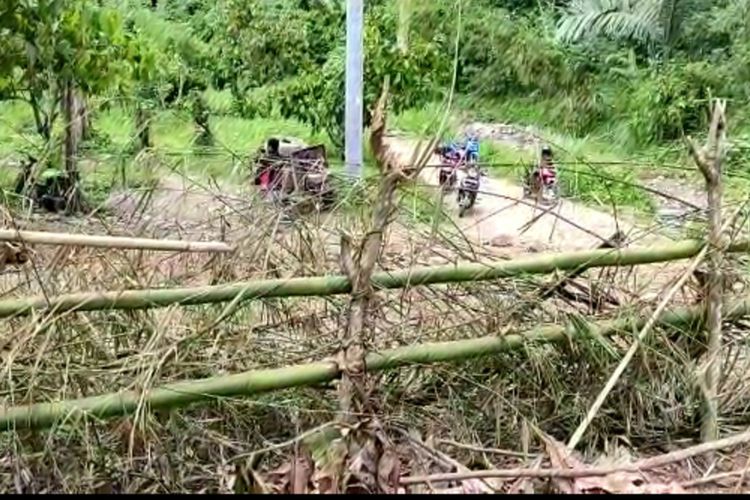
(604, 81)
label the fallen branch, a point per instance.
(481, 449)
(639, 466)
(614, 241)
(41, 415)
(510, 474)
(336, 285)
(712, 478)
(615, 377)
(85, 240)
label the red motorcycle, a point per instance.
(450, 161)
(541, 184)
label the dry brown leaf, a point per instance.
(473, 487)
(327, 476)
(255, 483)
(468, 487)
(364, 468)
(456, 490)
(659, 488)
(625, 482)
(620, 482)
(13, 254)
(326, 481)
(389, 471)
(293, 476)
(616, 483)
(561, 458)
(301, 473)
(278, 479)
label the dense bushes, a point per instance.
(316, 96)
(603, 82)
(286, 58)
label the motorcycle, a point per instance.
(449, 161)
(543, 186)
(468, 189)
(447, 176)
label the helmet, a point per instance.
(472, 143)
(546, 150)
(272, 146)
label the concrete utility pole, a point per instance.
(354, 80)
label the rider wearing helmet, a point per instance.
(546, 160)
(268, 171)
(472, 149)
(545, 163)
(448, 151)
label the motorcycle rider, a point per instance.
(546, 158)
(449, 151)
(268, 170)
(546, 164)
(471, 149)
(449, 156)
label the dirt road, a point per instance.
(500, 219)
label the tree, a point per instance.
(54, 50)
(317, 96)
(172, 63)
(266, 42)
(657, 23)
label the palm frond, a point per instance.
(621, 19)
(404, 18)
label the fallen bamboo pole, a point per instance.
(43, 415)
(337, 284)
(639, 466)
(85, 240)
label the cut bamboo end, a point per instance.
(122, 242)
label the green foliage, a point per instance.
(317, 97)
(633, 20)
(658, 23)
(49, 42)
(262, 43)
(640, 71)
(669, 101)
(170, 60)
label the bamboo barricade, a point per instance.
(338, 284)
(179, 394)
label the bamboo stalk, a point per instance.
(337, 284)
(85, 240)
(709, 162)
(42, 415)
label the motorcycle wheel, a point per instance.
(464, 204)
(550, 195)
